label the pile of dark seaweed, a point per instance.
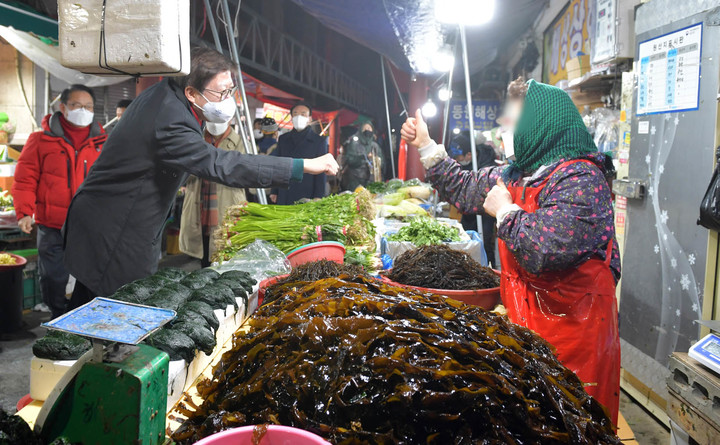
(440, 267)
(313, 271)
(357, 361)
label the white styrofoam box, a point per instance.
(140, 36)
(44, 375)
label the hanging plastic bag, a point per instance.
(710, 205)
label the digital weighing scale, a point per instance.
(115, 393)
(707, 352)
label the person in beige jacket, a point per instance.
(205, 202)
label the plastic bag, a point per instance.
(710, 204)
(8, 220)
(260, 259)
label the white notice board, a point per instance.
(669, 78)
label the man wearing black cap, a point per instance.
(269, 129)
(301, 142)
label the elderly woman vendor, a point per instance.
(560, 261)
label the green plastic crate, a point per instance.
(31, 287)
(31, 278)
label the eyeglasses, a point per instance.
(76, 105)
(224, 94)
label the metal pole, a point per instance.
(402, 101)
(449, 88)
(236, 58)
(387, 114)
(471, 117)
(213, 26)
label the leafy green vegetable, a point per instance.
(358, 257)
(424, 231)
(345, 218)
(6, 201)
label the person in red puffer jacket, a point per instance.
(52, 165)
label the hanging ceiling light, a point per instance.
(444, 94)
(429, 110)
(464, 12)
(443, 59)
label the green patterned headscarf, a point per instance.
(550, 128)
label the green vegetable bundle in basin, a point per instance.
(424, 231)
(345, 218)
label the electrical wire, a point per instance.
(18, 74)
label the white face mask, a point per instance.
(509, 144)
(257, 134)
(300, 122)
(219, 112)
(216, 129)
(80, 117)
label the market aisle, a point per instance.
(15, 359)
(647, 430)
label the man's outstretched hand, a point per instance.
(324, 164)
(415, 131)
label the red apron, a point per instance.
(574, 310)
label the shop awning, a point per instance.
(267, 93)
(47, 56)
(405, 31)
(24, 18)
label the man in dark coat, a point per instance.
(301, 142)
(115, 221)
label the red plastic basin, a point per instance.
(323, 250)
(264, 284)
(484, 298)
(19, 262)
(23, 402)
(276, 435)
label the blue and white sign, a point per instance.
(486, 112)
(670, 72)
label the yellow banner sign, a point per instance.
(567, 37)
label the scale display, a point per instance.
(707, 352)
(112, 320)
(669, 79)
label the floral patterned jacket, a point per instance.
(574, 222)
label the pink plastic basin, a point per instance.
(276, 435)
(484, 298)
(323, 250)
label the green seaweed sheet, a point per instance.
(174, 342)
(217, 296)
(58, 345)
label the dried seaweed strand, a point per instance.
(357, 361)
(440, 267)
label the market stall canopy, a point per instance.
(268, 93)
(24, 18)
(407, 32)
(47, 56)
